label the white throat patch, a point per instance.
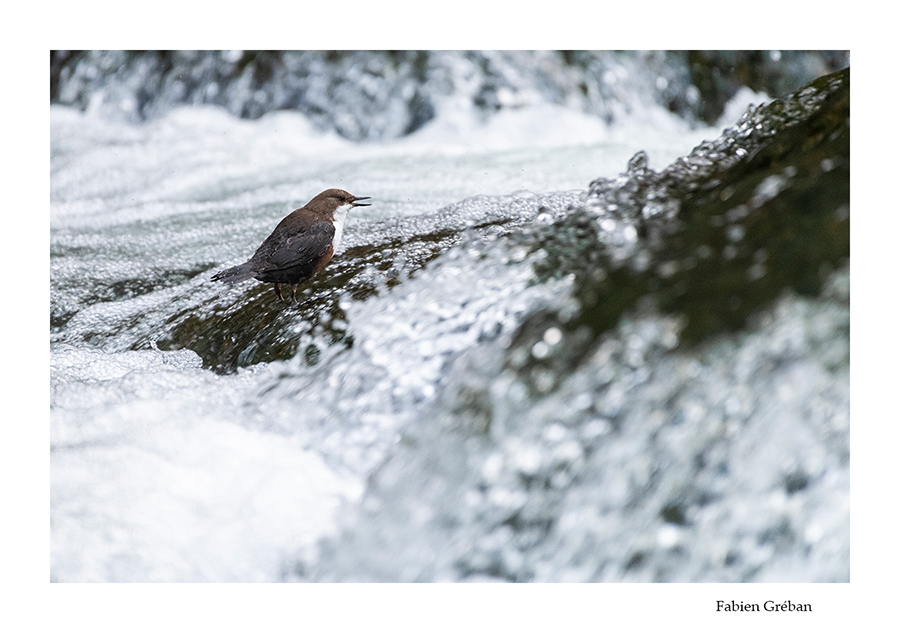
(340, 214)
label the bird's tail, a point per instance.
(234, 274)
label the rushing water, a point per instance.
(378, 430)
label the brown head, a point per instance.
(327, 202)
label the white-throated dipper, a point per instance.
(301, 244)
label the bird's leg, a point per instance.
(294, 293)
(278, 292)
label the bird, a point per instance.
(300, 246)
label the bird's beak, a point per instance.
(357, 203)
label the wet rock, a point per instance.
(240, 326)
(715, 237)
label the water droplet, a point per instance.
(667, 269)
(540, 350)
(668, 535)
(552, 336)
(736, 232)
(770, 186)
(756, 271)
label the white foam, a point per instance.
(154, 478)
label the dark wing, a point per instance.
(297, 251)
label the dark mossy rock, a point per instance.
(718, 235)
(257, 327)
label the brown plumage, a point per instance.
(300, 246)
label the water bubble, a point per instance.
(770, 187)
(596, 428)
(737, 213)
(667, 269)
(692, 95)
(544, 380)
(735, 232)
(581, 402)
(756, 271)
(554, 433)
(540, 350)
(552, 336)
(492, 467)
(507, 499)
(669, 535)
(527, 460)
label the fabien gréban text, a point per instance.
(768, 605)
